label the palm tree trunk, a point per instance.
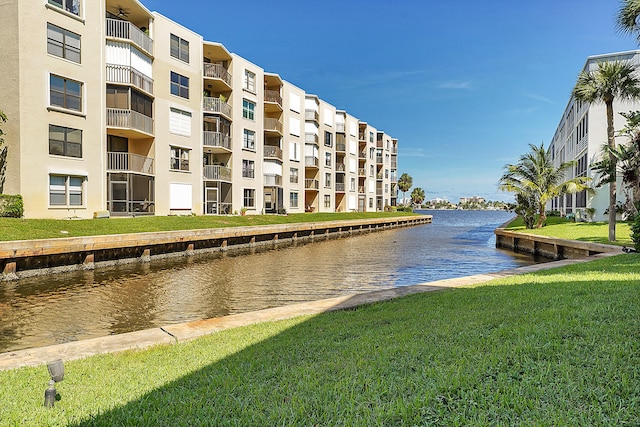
(542, 216)
(613, 178)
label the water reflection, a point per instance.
(66, 307)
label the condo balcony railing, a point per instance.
(272, 124)
(216, 139)
(216, 105)
(394, 164)
(129, 162)
(311, 184)
(273, 96)
(339, 127)
(272, 180)
(311, 161)
(362, 155)
(340, 167)
(362, 172)
(129, 119)
(311, 115)
(126, 74)
(217, 71)
(341, 147)
(362, 136)
(361, 189)
(340, 187)
(379, 159)
(217, 173)
(272, 152)
(311, 138)
(394, 150)
(119, 29)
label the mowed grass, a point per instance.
(558, 347)
(597, 232)
(27, 229)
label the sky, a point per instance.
(465, 86)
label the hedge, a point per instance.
(11, 206)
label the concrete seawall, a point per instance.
(26, 258)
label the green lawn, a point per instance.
(25, 229)
(597, 232)
(559, 347)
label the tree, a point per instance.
(610, 81)
(404, 184)
(535, 181)
(417, 196)
(3, 119)
(627, 19)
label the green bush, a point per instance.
(404, 209)
(635, 232)
(11, 206)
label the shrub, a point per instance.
(553, 213)
(11, 206)
(635, 232)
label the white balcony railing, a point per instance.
(217, 173)
(126, 30)
(216, 139)
(273, 124)
(129, 119)
(311, 184)
(272, 180)
(217, 71)
(129, 162)
(129, 75)
(272, 152)
(216, 105)
(311, 161)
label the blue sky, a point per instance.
(465, 86)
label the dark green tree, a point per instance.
(404, 184)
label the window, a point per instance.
(293, 199)
(65, 190)
(141, 103)
(371, 140)
(249, 199)
(249, 140)
(248, 109)
(71, 6)
(179, 48)
(327, 180)
(293, 175)
(124, 98)
(179, 85)
(352, 185)
(65, 93)
(250, 81)
(327, 201)
(180, 158)
(248, 168)
(65, 141)
(294, 151)
(327, 159)
(63, 43)
(179, 122)
(370, 202)
(328, 139)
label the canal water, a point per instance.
(85, 304)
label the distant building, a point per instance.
(580, 135)
(116, 108)
(474, 199)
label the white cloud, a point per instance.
(454, 85)
(538, 98)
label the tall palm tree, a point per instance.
(612, 80)
(404, 184)
(628, 17)
(417, 196)
(535, 179)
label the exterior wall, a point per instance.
(141, 62)
(580, 135)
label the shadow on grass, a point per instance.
(563, 352)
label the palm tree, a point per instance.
(404, 184)
(610, 81)
(417, 196)
(536, 180)
(627, 18)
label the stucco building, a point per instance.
(114, 108)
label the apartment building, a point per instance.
(579, 137)
(116, 109)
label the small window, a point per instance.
(250, 81)
(248, 168)
(63, 43)
(249, 198)
(66, 190)
(293, 199)
(327, 180)
(352, 185)
(328, 139)
(65, 141)
(327, 159)
(65, 93)
(71, 6)
(327, 201)
(248, 109)
(179, 48)
(293, 175)
(179, 159)
(179, 85)
(249, 140)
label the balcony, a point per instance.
(394, 163)
(362, 172)
(129, 162)
(273, 125)
(362, 136)
(311, 138)
(311, 115)
(274, 97)
(217, 72)
(216, 105)
(125, 74)
(129, 119)
(361, 189)
(311, 184)
(340, 187)
(379, 159)
(341, 148)
(272, 152)
(340, 127)
(216, 173)
(394, 150)
(126, 30)
(362, 155)
(272, 180)
(311, 161)
(216, 139)
(340, 167)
